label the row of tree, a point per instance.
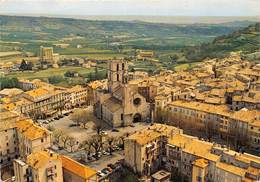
(6, 82)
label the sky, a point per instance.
(132, 7)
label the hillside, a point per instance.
(246, 40)
(35, 31)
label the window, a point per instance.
(137, 101)
(198, 179)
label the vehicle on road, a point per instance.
(115, 130)
(105, 171)
(100, 174)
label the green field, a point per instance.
(43, 74)
(105, 39)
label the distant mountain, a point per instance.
(246, 40)
(29, 27)
(33, 32)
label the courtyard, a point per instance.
(83, 134)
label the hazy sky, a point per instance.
(133, 7)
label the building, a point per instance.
(143, 55)
(8, 137)
(10, 92)
(42, 102)
(161, 176)
(47, 166)
(46, 54)
(31, 138)
(138, 75)
(187, 158)
(121, 104)
(74, 171)
(27, 85)
(77, 96)
(197, 160)
(41, 166)
(20, 137)
(241, 127)
(48, 58)
(145, 149)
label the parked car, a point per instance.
(100, 174)
(90, 158)
(109, 169)
(45, 122)
(105, 171)
(112, 166)
(103, 133)
(115, 130)
(60, 116)
(105, 153)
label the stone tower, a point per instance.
(117, 74)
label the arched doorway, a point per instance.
(137, 118)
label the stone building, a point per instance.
(242, 127)
(31, 137)
(77, 96)
(42, 102)
(46, 54)
(20, 137)
(145, 149)
(48, 58)
(197, 160)
(121, 104)
(187, 158)
(41, 166)
(74, 171)
(8, 137)
(47, 166)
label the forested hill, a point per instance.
(58, 27)
(246, 40)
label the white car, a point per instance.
(100, 174)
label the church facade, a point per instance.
(121, 104)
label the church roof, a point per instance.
(113, 104)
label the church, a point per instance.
(120, 104)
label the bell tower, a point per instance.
(117, 74)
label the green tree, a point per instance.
(9, 83)
(55, 79)
(79, 116)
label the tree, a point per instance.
(70, 73)
(26, 65)
(86, 145)
(55, 79)
(58, 134)
(121, 140)
(96, 143)
(72, 142)
(79, 116)
(64, 139)
(98, 127)
(50, 128)
(110, 142)
(23, 65)
(6, 82)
